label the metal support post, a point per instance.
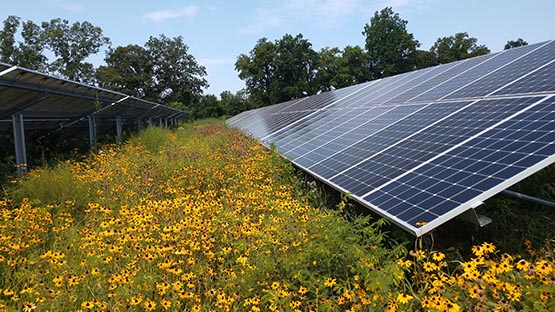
(149, 121)
(92, 129)
(118, 130)
(19, 142)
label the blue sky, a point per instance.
(217, 31)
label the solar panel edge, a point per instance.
(539, 101)
(478, 200)
(406, 226)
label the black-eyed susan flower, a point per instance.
(330, 282)
(438, 256)
(149, 305)
(404, 298)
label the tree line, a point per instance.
(162, 69)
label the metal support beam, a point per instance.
(118, 130)
(92, 129)
(33, 101)
(19, 142)
(529, 198)
(471, 216)
(149, 122)
(140, 124)
(161, 122)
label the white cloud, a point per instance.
(162, 15)
(70, 6)
(319, 13)
(263, 19)
(324, 13)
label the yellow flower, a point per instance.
(302, 290)
(166, 304)
(522, 265)
(29, 306)
(429, 266)
(135, 300)
(87, 305)
(438, 256)
(8, 292)
(404, 298)
(478, 251)
(404, 263)
(149, 304)
(330, 282)
(488, 247)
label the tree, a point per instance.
(30, 52)
(279, 71)
(424, 59)
(177, 75)
(457, 47)
(72, 45)
(389, 46)
(128, 70)
(209, 107)
(342, 68)
(259, 71)
(162, 71)
(7, 39)
(515, 43)
(233, 104)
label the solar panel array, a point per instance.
(423, 147)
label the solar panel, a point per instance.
(423, 147)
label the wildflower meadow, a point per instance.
(202, 218)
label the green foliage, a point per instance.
(457, 47)
(177, 75)
(7, 39)
(152, 139)
(342, 68)
(52, 186)
(390, 47)
(515, 43)
(424, 59)
(278, 71)
(162, 71)
(234, 104)
(72, 45)
(128, 70)
(27, 53)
